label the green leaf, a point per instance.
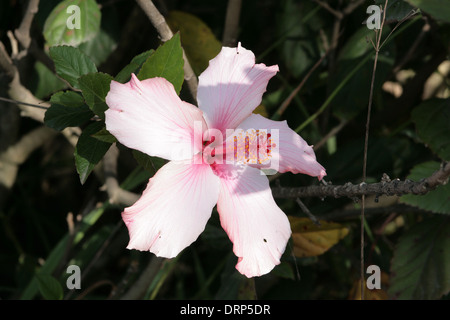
(167, 62)
(432, 119)
(421, 264)
(67, 110)
(105, 136)
(67, 98)
(90, 247)
(396, 9)
(438, 9)
(89, 151)
(133, 67)
(436, 201)
(71, 63)
(151, 164)
(100, 47)
(95, 87)
(45, 82)
(61, 26)
(197, 39)
(297, 29)
(49, 287)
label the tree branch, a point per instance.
(231, 23)
(16, 154)
(386, 187)
(115, 192)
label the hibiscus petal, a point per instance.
(289, 151)
(173, 210)
(248, 213)
(149, 116)
(232, 87)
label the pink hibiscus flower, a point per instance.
(173, 210)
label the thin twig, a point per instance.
(24, 103)
(366, 142)
(413, 49)
(327, 7)
(307, 212)
(330, 134)
(294, 92)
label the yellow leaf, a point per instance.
(369, 294)
(197, 39)
(311, 240)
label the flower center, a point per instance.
(242, 147)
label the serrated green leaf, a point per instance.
(133, 67)
(67, 110)
(61, 26)
(166, 62)
(421, 264)
(438, 200)
(95, 87)
(432, 119)
(59, 117)
(438, 9)
(67, 98)
(71, 63)
(49, 287)
(89, 151)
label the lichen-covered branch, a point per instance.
(385, 187)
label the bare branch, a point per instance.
(15, 155)
(23, 32)
(327, 7)
(6, 63)
(231, 23)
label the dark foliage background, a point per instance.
(409, 138)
